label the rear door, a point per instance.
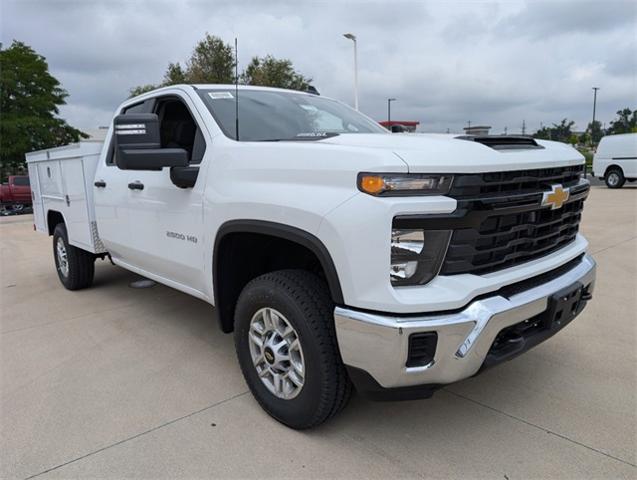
(166, 221)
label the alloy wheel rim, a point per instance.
(613, 179)
(63, 261)
(276, 353)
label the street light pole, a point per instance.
(592, 124)
(389, 100)
(352, 37)
(594, 108)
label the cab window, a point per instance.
(141, 107)
(178, 129)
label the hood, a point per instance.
(438, 153)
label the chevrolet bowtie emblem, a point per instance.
(556, 197)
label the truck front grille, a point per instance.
(480, 185)
(500, 221)
(502, 241)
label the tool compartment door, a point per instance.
(36, 196)
(75, 207)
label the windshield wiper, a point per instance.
(303, 137)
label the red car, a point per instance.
(17, 191)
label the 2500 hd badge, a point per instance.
(181, 236)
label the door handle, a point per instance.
(136, 186)
(100, 184)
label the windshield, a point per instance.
(274, 115)
(21, 181)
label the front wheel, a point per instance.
(286, 345)
(614, 178)
(75, 266)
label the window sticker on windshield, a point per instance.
(315, 134)
(218, 95)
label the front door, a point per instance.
(111, 196)
(166, 221)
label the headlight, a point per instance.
(416, 255)
(400, 184)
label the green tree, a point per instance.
(595, 131)
(29, 101)
(271, 72)
(212, 61)
(584, 138)
(174, 75)
(138, 90)
(560, 132)
(543, 133)
(626, 122)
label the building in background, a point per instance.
(477, 130)
(96, 134)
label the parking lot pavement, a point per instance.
(114, 382)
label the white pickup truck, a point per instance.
(338, 253)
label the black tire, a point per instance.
(80, 267)
(614, 178)
(303, 299)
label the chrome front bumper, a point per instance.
(378, 343)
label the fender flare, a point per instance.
(48, 212)
(293, 234)
(613, 166)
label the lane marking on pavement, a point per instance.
(614, 245)
(540, 428)
(221, 402)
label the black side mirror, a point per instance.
(138, 144)
(184, 177)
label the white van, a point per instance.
(616, 159)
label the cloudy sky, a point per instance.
(447, 62)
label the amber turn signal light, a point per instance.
(372, 184)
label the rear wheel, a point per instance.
(75, 266)
(286, 346)
(614, 178)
